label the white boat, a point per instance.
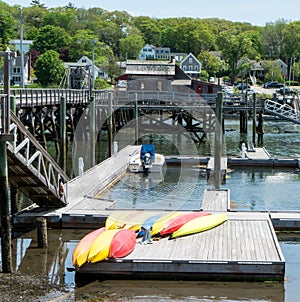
(146, 160)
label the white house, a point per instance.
(191, 66)
(151, 52)
(98, 72)
(16, 70)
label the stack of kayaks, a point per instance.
(118, 238)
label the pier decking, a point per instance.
(244, 247)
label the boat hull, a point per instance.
(200, 224)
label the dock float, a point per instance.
(244, 247)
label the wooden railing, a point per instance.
(40, 170)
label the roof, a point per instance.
(147, 67)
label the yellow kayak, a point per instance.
(117, 220)
(159, 224)
(135, 223)
(200, 224)
(100, 247)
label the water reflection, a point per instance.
(52, 263)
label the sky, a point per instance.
(256, 12)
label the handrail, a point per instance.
(35, 157)
(284, 111)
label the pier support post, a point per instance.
(6, 250)
(218, 141)
(63, 134)
(136, 118)
(92, 130)
(4, 210)
(42, 237)
(260, 130)
(110, 124)
(254, 120)
(243, 122)
(13, 190)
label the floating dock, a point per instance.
(244, 247)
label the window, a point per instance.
(142, 85)
(184, 68)
(190, 60)
(196, 68)
(159, 86)
(210, 89)
(190, 67)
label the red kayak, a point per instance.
(178, 221)
(122, 244)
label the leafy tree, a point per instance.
(37, 3)
(61, 17)
(33, 17)
(210, 63)
(272, 38)
(272, 71)
(51, 38)
(291, 40)
(131, 45)
(49, 69)
(7, 27)
(233, 46)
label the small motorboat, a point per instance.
(147, 160)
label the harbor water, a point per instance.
(182, 188)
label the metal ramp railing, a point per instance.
(283, 110)
(32, 170)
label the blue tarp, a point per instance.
(147, 149)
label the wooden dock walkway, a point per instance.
(243, 248)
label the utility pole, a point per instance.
(4, 137)
(21, 48)
(93, 66)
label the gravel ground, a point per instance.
(21, 287)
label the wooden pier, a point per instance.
(244, 247)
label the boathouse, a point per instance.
(147, 75)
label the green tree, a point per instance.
(131, 45)
(233, 46)
(7, 27)
(272, 71)
(272, 38)
(49, 69)
(210, 63)
(51, 38)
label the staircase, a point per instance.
(32, 170)
(284, 111)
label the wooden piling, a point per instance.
(260, 130)
(92, 130)
(42, 237)
(63, 134)
(4, 210)
(110, 124)
(136, 118)
(254, 121)
(218, 140)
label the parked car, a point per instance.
(273, 85)
(242, 86)
(286, 90)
